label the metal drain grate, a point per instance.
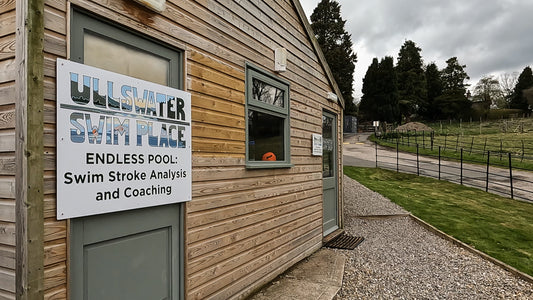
(345, 241)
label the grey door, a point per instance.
(127, 255)
(136, 254)
(329, 173)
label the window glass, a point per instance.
(265, 137)
(266, 93)
(328, 147)
(117, 57)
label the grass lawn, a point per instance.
(498, 226)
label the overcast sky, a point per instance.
(488, 36)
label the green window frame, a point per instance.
(267, 120)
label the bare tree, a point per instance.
(507, 83)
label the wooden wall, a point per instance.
(7, 149)
(244, 227)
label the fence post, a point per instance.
(445, 139)
(417, 162)
(408, 138)
(439, 162)
(432, 137)
(424, 139)
(501, 149)
(522, 159)
(376, 145)
(511, 176)
(488, 164)
(461, 166)
(397, 158)
(471, 145)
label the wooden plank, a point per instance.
(7, 257)
(29, 149)
(55, 44)
(7, 280)
(7, 141)
(55, 275)
(213, 258)
(236, 173)
(200, 72)
(212, 160)
(228, 225)
(7, 23)
(55, 252)
(217, 132)
(58, 293)
(7, 93)
(7, 117)
(217, 146)
(216, 104)
(7, 5)
(243, 272)
(210, 89)
(217, 201)
(8, 70)
(199, 248)
(55, 20)
(214, 63)
(54, 229)
(7, 233)
(7, 211)
(7, 47)
(49, 206)
(243, 256)
(222, 214)
(215, 118)
(7, 187)
(60, 5)
(221, 187)
(7, 164)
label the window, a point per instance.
(267, 120)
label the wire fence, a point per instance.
(499, 177)
(519, 147)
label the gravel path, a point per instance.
(399, 259)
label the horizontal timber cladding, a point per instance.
(243, 226)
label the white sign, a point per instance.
(317, 144)
(122, 142)
(375, 123)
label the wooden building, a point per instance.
(249, 219)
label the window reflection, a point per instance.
(265, 134)
(266, 93)
(117, 57)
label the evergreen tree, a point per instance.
(368, 107)
(387, 98)
(434, 90)
(336, 44)
(518, 99)
(453, 102)
(380, 92)
(411, 80)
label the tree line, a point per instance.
(414, 90)
(411, 90)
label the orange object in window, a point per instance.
(269, 156)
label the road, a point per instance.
(359, 151)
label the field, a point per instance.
(477, 139)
